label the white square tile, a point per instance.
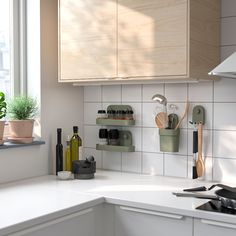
(224, 144)
(131, 162)
(150, 110)
(136, 137)
(91, 136)
(137, 109)
(228, 8)
(208, 168)
(228, 31)
(112, 160)
(206, 143)
(201, 92)
(131, 93)
(175, 165)
(90, 112)
(208, 114)
(224, 170)
(97, 154)
(152, 163)
(151, 89)
(226, 51)
(224, 90)
(183, 142)
(151, 141)
(224, 116)
(176, 92)
(111, 93)
(92, 94)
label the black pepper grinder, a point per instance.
(59, 152)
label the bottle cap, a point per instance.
(103, 133)
(75, 129)
(101, 112)
(59, 130)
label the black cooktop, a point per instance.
(215, 206)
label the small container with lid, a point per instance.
(113, 137)
(129, 115)
(103, 136)
(101, 114)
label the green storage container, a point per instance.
(169, 140)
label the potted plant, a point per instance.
(3, 111)
(22, 110)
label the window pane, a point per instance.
(5, 81)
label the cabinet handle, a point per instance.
(217, 223)
(52, 222)
(173, 216)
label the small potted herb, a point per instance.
(3, 111)
(22, 110)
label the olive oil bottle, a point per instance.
(74, 145)
(68, 161)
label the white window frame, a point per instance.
(18, 47)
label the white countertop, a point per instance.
(37, 200)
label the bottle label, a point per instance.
(80, 152)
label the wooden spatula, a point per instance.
(161, 120)
(200, 164)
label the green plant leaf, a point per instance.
(3, 105)
(22, 108)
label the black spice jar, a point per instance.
(103, 136)
(113, 137)
(101, 114)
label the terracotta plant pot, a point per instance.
(21, 129)
(2, 124)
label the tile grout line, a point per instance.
(213, 126)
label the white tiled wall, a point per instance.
(218, 99)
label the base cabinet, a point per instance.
(211, 227)
(138, 222)
(80, 223)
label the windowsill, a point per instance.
(8, 145)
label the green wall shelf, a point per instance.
(101, 121)
(113, 148)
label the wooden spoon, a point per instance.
(185, 113)
(161, 120)
(200, 164)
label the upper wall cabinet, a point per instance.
(129, 41)
(87, 39)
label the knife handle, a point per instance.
(202, 188)
(195, 141)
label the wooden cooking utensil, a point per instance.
(185, 113)
(200, 164)
(161, 120)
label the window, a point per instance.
(20, 51)
(12, 47)
(5, 78)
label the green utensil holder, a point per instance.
(169, 140)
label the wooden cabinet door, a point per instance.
(152, 37)
(211, 227)
(87, 39)
(131, 221)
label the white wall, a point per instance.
(218, 98)
(62, 106)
